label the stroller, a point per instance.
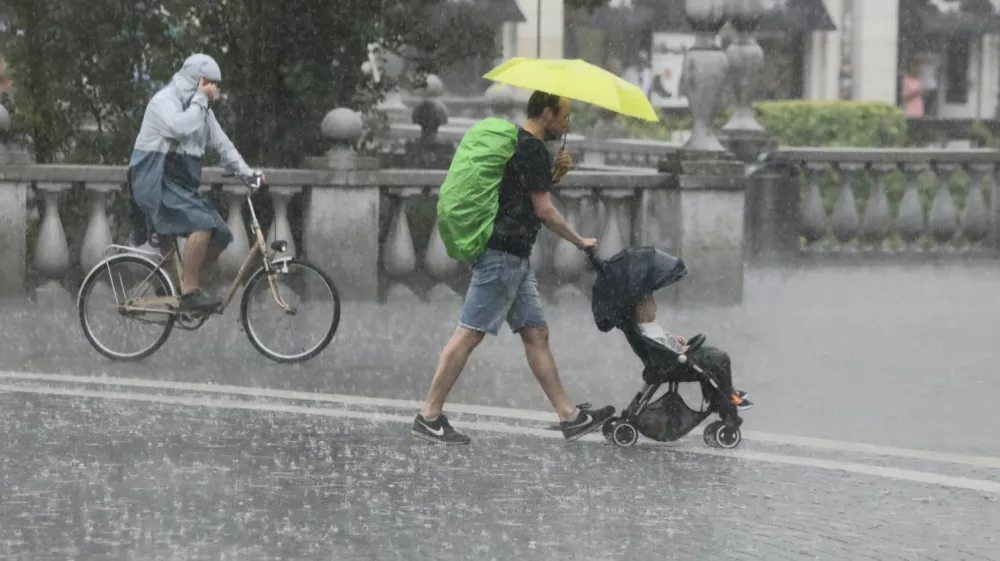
(621, 281)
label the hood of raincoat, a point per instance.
(628, 276)
(196, 67)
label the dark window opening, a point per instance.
(957, 70)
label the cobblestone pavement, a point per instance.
(84, 478)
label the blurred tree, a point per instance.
(285, 63)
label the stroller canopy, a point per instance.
(628, 275)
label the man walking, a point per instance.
(503, 286)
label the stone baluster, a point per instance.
(568, 261)
(280, 229)
(813, 214)
(975, 219)
(616, 234)
(910, 217)
(705, 70)
(98, 236)
(844, 221)
(235, 254)
(439, 265)
(51, 249)
(398, 255)
(876, 225)
(942, 222)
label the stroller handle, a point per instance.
(595, 260)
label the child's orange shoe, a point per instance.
(741, 402)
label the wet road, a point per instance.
(100, 479)
(146, 468)
(887, 356)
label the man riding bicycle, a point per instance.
(164, 173)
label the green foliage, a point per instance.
(284, 65)
(793, 123)
(833, 123)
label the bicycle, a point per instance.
(161, 308)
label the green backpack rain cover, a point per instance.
(469, 198)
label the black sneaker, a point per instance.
(742, 394)
(438, 431)
(586, 421)
(198, 301)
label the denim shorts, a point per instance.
(503, 286)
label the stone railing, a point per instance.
(372, 228)
(875, 203)
(601, 205)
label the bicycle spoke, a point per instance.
(114, 331)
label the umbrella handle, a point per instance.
(595, 260)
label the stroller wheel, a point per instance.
(624, 434)
(608, 429)
(722, 435)
(708, 435)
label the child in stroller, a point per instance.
(715, 360)
(623, 299)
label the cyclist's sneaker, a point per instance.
(438, 431)
(586, 421)
(199, 301)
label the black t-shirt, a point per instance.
(529, 169)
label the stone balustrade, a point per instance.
(876, 203)
(416, 265)
(374, 228)
(352, 221)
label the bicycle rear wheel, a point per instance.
(314, 306)
(109, 285)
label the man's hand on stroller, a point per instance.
(586, 243)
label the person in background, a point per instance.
(913, 91)
(929, 68)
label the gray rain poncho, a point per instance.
(165, 170)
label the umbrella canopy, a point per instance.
(627, 276)
(576, 79)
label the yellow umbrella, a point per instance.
(576, 79)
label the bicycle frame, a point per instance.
(170, 303)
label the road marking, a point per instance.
(487, 411)
(849, 467)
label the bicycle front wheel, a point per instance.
(291, 314)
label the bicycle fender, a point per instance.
(112, 259)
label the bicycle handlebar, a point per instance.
(253, 181)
